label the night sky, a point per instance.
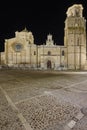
(41, 18)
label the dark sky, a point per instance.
(40, 17)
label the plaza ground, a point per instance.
(43, 100)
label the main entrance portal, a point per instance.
(49, 64)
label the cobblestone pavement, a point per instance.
(45, 111)
(43, 100)
(8, 118)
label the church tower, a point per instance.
(75, 38)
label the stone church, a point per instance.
(21, 51)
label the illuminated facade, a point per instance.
(21, 51)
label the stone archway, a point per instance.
(49, 64)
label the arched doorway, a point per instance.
(48, 64)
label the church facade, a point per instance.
(21, 51)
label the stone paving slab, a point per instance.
(80, 116)
(71, 124)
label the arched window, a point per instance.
(49, 53)
(63, 53)
(34, 52)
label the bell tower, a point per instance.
(75, 38)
